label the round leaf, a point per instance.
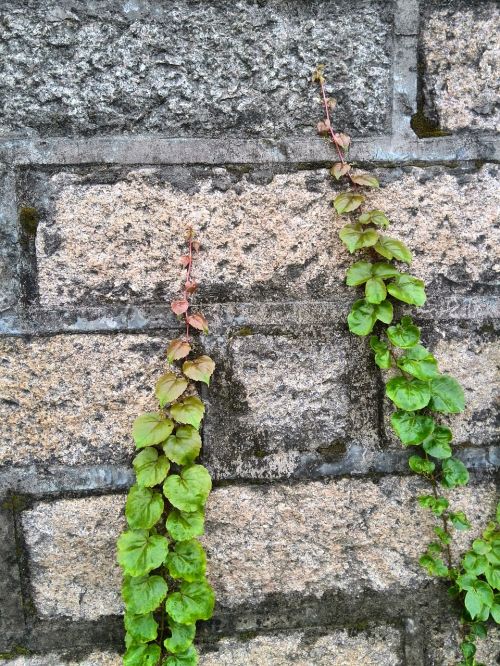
(150, 429)
(143, 594)
(139, 552)
(454, 473)
(189, 490)
(198, 321)
(142, 655)
(182, 635)
(144, 508)
(419, 362)
(365, 180)
(375, 291)
(177, 349)
(412, 428)
(356, 238)
(169, 387)
(338, 170)
(390, 248)
(438, 444)
(194, 601)
(362, 318)
(408, 289)
(406, 394)
(150, 468)
(184, 446)
(384, 312)
(346, 202)
(382, 354)
(376, 217)
(189, 411)
(405, 334)
(187, 658)
(200, 369)
(421, 466)
(383, 270)
(182, 525)
(187, 561)
(358, 273)
(142, 628)
(447, 396)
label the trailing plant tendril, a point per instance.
(419, 391)
(164, 588)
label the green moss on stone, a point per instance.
(28, 219)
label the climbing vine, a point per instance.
(164, 588)
(416, 387)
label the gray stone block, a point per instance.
(11, 603)
(203, 69)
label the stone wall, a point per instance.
(123, 122)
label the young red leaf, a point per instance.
(196, 246)
(323, 126)
(198, 321)
(179, 307)
(342, 140)
(338, 170)
(365, 179)
(184, 260)
(177, 349)
(191, 287)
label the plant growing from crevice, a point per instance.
(416, 387)
(164, 588)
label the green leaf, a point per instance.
(199, 369)
(187, 561)
(420, 465)
(361, 318)
(495, 612)
(177, 349)
(144, 508)
(376, 217)
(169, 387)
(485, 593)
(382, 354)
(493, 576)
(443, 536)
(142, 655)
(190, 490)
(375, 291)
(346, 202)
(459, 521)
(359, 273)
(408, 289)
(187, 658)
(437, 444)
(150, 468)
(384, 270)
(498, 513)
(194, 601)
(412, 428)
(408, 394)
(434, 565)
(447, 396)
(480, 547)
(182, 635)
(474, 564)
(405, 334)
(139, 552)
(437, 505)
(150, 429)
(142, 628)
(384, 312)
(183, 447)
(189, 411)
(454, 473)
(356, 238)
(143, 594)
(468, 649)
(182, 525)
(419, 362)
(390, 248)
(365, 180)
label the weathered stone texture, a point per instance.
(461, 56)
(443, 645)
(72, 399)
(197, 68)
(346, 536)
(276, 239)
(72, 556)
(11, 602)
(340, 648)
(277, 399)
(94, 659)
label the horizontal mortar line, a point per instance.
(149, 317)
(148, 149)
(52, 481)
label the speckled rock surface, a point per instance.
(310, 538)
(195, 68)
(461, 53)
(94, 659)
(120, 242)
(381, 647)
(73, 399)
(445, 639)
(276, 398)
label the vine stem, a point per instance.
(330, 128)
(188, 277)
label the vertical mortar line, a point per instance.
(405, 67)
(414, 641)
(9, 236)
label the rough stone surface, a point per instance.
(461, 54)
(443, 646)
(94, 659)
(376, 648)
(349, 536)
(85, 582)
(73, 399)
(197, 68)
(272, 239)
(277, 398)
(471, 354)
(11, 604)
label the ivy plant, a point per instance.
(165, 590)
(418, 390)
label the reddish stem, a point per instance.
(330, 128)
(188, 277)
